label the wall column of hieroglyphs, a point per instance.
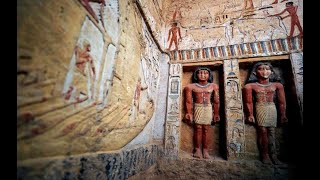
(172, 127)
(233, 110)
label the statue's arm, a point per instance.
(247, 93)
(216, 104)
(282, 103)
(188, 99)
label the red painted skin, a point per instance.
(202, 95)
(263, 90)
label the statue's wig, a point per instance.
(274, 77)
(195, 78)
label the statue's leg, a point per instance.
(197, 140)
(263, 143)
(205, 141)
(272, 145)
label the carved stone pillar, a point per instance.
(297, 68)
(172, 125)
(233, 110)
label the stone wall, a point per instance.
(84, 84)
(115, 165)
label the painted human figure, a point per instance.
(173, 33)
(137, 93)
(263, 86)
(202, 108)
(83, 57)
(292, 10)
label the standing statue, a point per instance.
(263, 86)
(202, 108)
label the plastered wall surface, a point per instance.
(78, 78)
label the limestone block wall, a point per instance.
(114, 165)
(84, 85)
(211, 23)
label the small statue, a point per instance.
(202, 108)
(263, 86)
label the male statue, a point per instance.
(202, 108)
(263, 86)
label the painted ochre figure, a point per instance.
(202, 108)
(292, 10)
(263, 85)
(174, 32)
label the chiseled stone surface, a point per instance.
(115, 165)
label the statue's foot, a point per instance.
(206, 154)
(275, 159)
(266, 160)
(197, 153)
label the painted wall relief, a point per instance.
(174, 36)
(149, 75)
(218, 23)
(172, 124)
(233, 110)
(153, 11)
(150, 64)
(106, 14)
(291, 10)
(97, 16)
(107, 76)
(82, 77)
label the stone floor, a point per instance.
(218, 169)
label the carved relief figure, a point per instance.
(263, 85)
(83, 57)
(173, 33)
(85, 67)
(137, 93)
(292, 10)
(202, 108)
